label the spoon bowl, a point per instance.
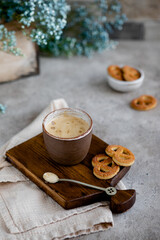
(50, 177)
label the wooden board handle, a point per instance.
(122, 200)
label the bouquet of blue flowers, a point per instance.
(61, 28)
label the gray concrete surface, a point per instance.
(82, 82)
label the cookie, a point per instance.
(144, 103)
(115, 72)
(104, 167)
(130, 74)
(120, 155)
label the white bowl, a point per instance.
(125, 86)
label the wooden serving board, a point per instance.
(33, 160)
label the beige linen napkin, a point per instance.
(26, 212)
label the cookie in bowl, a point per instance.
(127, 78)
(130, 74)
(115, 72)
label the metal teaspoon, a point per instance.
(53, 178)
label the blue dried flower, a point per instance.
(89, 30)
(61, 29)
(48, 19)
(8, 41)
(2, 108)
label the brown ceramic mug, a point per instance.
(68, 151)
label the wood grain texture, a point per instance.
(32, 159)
(123, 200)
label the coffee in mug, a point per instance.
(67, 126)
(67, 135)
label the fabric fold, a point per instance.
(30, 131)
(34, 208)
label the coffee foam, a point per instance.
(67, 126)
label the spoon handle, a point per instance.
(120, 200)
(82, 183)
